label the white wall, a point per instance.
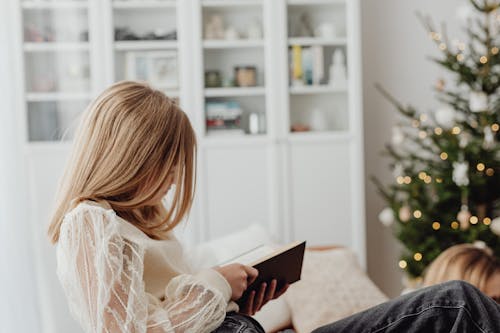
(395, 53)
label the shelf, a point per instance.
(145, 45)
(55, 4)
(56, 96)
(322, 89)
(55, 46)
(44, 147)
(309, 41)
(326, 136)
(137, 4)
(234, 140)
(235, 91)
(230, 3)
(232, 44)
(315, 2)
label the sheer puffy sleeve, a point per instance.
(102, 275)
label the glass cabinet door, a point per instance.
(57, 66)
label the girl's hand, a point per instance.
(256, 301)
(239, 277)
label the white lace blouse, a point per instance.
(117, 279)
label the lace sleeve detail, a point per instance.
(102, 275)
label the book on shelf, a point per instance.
(307, 65)
(283, 264)
(223, 117)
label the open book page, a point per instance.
(251, 256)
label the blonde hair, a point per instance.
(466, 262)
(131, 138)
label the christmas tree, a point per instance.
(446, 163)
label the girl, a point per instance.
(119, 263)
(473, 263)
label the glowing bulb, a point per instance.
(417, 214)
(494, 50)
(444, 156)
(460, 57)
(415, 123)
(423, 117)
(438, 130)
(461, 46)
(483, 60)
(442, 46)
(422, 175)
(422, 134)
(417, 256)
(400, 180)
(487, 221)
(428, 179)
(407, 180)
(456, 130)
(495, 127)
(490, 172)
(473, 220)
(480, 167)
(439, 180)
(455, 225)
(403, 264)
(436, 225)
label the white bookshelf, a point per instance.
(299, 185)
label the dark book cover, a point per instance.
(285, 266)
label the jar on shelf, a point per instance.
(245, 76)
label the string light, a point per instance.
(483, 60)
(417, 214)
(442, 46)
(436, 225)
(417, 256)
(486, 221)
(438, 130)
(444, 156)
(461, 46)
(428, 179)
(434, 35)
(473, 220)
(407, 180)
(455, 130)
(490, 172)
(422, 175)
(439, 180)
(494, 50)
(400, 180)
(403, 264)
(495, 127)
(480, 167)
(415, 123)
(455, 225)
(460, 57)
(422, 134)
(423, 117)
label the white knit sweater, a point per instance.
(117, 279)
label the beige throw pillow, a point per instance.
(333, 286)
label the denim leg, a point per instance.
(450, 307)
(238, 323)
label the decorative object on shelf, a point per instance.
(318, 120)
(325, 30)
(213, 79)
(245, 76)
(223, 117)
(300, 128)
(125, 33)
(256, 123)
(254, 30)
(307, 66)
(48, 34)
(296, 65)
(231, 33)
(305, 27)
(157, 67)
(214, 28)
(318, 65)
(338, 70)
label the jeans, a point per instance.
(239, 323)
(449, 307)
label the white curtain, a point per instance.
(18, 295)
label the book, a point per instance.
(283, 264)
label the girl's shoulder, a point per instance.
(89, 206)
